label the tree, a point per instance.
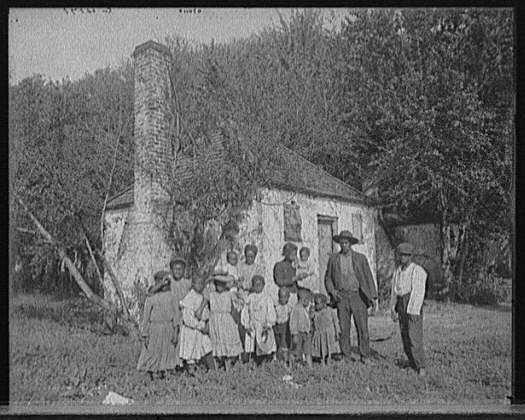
(426, 126)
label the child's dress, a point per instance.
(179, 289)
(257, 314)
(224, 333)
(326, 330)
(300, 326)
(194, 344)
(159, 322)
(309, 282)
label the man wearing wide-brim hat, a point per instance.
(406, 304)
(349, 282)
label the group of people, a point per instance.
(229, 317)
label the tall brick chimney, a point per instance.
(143, 247)
(153, 155)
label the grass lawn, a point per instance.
(57, 358)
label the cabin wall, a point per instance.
(264, 225)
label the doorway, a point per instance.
(326, 228)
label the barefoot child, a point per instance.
(194, 339)
(282, 327)
(159, 329)
(258, 318)
(326, 329)
(300, 328)
(224, 334)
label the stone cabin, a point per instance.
(304, 204)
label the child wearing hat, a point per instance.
(224, 333)
(300, 328)
(159, 329)
(195, 342)
(258, 318)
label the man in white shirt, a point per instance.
(406, 304)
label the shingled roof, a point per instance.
(294, 174)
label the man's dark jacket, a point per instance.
(333, 278)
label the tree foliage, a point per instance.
(419, 101)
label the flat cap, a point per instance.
(405, 248)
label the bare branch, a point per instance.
(69, 264)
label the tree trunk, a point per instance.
(68, 263)
(463, 254)
(445, 256)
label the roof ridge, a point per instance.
(321, 169)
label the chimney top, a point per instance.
(151, 44)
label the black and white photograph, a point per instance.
(261, 210)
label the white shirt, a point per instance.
(410, 280)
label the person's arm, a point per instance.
(190, 320)
(419, 278)
(335, 320)
(294, 324)
(146, 319)
(271, 316)
(245, 317)
(176, 319)
(200, 312)
(369, 277)
(328, 280)
(393, 297)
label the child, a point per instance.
(300, 328)
(304, 266)
(194, 339)
(229, 267)
(258, 317)
(326, 329)
(180, 285)
(282, 328)
(159, 329)
(224, 333)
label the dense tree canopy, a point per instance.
(418, 101)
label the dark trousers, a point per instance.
(350, 304)
(411, 333)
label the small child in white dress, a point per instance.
(304, 265)
(258, 318)
(195, 342)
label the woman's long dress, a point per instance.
(326, 330)
(159, 322)
(224, 334)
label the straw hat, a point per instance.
(346, 234)
(265, 341)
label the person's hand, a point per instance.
(336, 295)
(394, 315)
(295, 339)
(175, 338)
(144, 340)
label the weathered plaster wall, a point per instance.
(269, 215)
